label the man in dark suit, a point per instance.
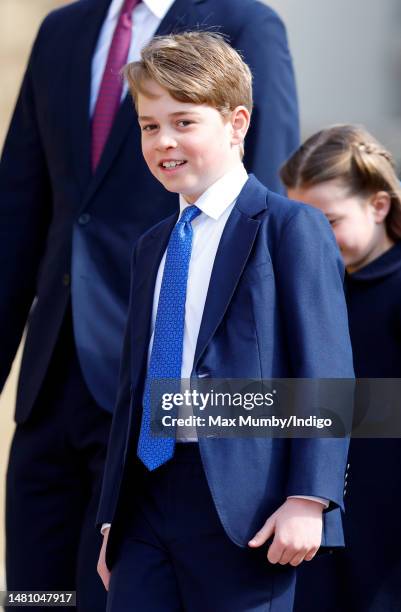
(70, 216)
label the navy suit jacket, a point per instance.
(67, 234)
(275, 308)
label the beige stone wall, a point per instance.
(19, 21)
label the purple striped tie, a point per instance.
(108, 100)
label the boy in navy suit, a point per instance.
(245, 284)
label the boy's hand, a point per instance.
(297, 529)
(102, 568)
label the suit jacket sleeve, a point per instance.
(312, 297)
(274, 131)
(25, 209)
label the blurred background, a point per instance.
(347, 58)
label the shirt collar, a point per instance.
(159, 8)
(218, 197)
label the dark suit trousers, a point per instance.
(53, 485)
(176, 557)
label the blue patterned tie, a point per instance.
(166, 356)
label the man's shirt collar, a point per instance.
(159, 8)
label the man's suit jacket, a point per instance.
(67, 234)
(275, 308)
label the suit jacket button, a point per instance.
(66, 280)
(84, 219)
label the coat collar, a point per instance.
(232, 254)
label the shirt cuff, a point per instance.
(320, 500)
(104, 527)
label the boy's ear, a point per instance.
(381, 203)
(240, 119)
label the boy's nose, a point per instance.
(166, 141)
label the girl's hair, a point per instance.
(351, 154)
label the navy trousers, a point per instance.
(53, 485)
(176, 556)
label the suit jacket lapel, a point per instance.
(86, 35)
(232, 254)
(123, 122)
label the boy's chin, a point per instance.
(169, 188)
(188, 196)
(179, 187)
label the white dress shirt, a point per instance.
(146, 18)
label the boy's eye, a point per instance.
(184, 122)
(149, 127)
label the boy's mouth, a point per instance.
(170, 164)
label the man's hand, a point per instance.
(102, 568)
(297, 529)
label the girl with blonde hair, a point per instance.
(346, 173)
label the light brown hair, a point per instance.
(196, 67)
(352, 155)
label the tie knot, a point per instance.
(128, 6)
(189, 214)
